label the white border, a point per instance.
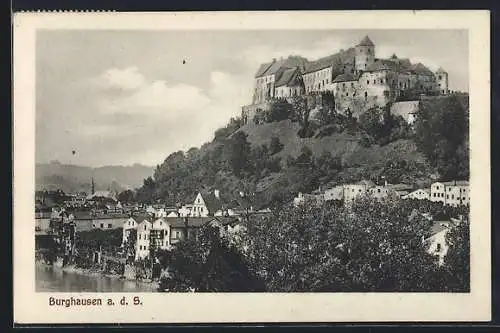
(32, 307)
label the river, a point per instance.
(54, 279)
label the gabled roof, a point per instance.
(366, 41)
(346, 77)
(337, 60)
(288, 77)
(382, 64)
(213, 204)
(276, 65)
(457, 183)
(140, 218)
(193, 222)
(421, 69)
(262, 69)
(439, 226)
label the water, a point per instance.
(53, 279)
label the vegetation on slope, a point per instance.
(273, 160)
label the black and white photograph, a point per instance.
(253, 161)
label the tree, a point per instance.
(369, 246)
(279, 110)
(239, 152)
(441, 134)
(275, 145)
(208, 264)
(126, 196)
(457, 259)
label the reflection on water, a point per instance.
(50, 279)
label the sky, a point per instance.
(125, 97)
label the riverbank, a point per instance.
(97, 274)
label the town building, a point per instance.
(335, 193)
(353, 191)
(453, 193)
(357, 78)
(437, 240)
(420, 194)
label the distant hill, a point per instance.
(71, 178)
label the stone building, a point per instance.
(357, 78)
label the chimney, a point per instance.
(217, 193)
(274, 59)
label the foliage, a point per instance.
(224, 132)
(207, 264)
(441, 133)
(279, 110)
(367, 247)
(275, 145)
(239, 152)
(457, 259)
(126, 196)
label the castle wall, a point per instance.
(248, 112)
(318, 81)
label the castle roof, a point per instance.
(440, 70)
(421, 69)
(346, 77)
(288, 77)
(366, 41)
(336, 60)
(382, 64)
(276, 65)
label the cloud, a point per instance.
(147, 97)
(127, 78)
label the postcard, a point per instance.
(251, 167)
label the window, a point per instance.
(367, 81)
(343, 85)
(440, 77)
(140, 236)
(434, 195)
(352, 84)
(366, 95)
(109, 226)
(102, 225)
(438, 248)
(374, 81)
(347, 94)
(378, 190)
(452, 196)
(144, 227)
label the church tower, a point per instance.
(93, 185)
(442, 81)
(365, 54)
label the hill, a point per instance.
(274, 159)
(71, 178)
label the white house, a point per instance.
(437, 192)
(335, 193)
(457, 193)
(378, 192)
(437, 240)
(160, 234)
(420, 194)
(352, 191)
(143, 237)
(129, 226)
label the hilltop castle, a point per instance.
(357, 79)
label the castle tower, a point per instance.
(442, 81)
(365, 54)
